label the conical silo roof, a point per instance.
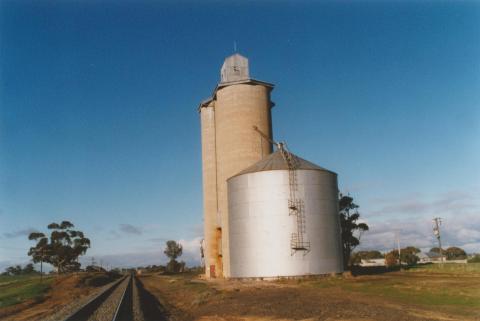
(275, 161)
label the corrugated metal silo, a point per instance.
(262, 231)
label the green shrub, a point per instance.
(100, 279)
(475, 259)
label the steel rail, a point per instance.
(100, 297)
(122, 298)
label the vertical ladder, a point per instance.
(296, 205)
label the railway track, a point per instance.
(123, 301)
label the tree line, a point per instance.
(408, 255)
(65, 245)
(28, 269)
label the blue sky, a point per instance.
(99, 122)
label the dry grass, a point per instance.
(61, 290)
(426, 293)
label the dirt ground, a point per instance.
(363, 298)
(64, 290)
(422, 295)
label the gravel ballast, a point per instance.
(108, 308)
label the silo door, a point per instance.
(212, 271)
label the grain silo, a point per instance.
(229, 145)
(284, 219)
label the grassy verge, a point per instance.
(421, 293)
(452, 288)
(470, 268)
(16, 289)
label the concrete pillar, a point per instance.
(207, 117)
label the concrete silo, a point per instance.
(229, 145)
(271, 236)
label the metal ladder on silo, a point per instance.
(297, 240)
(295, 205)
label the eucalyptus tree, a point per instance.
(172, 251)
(351, 229)
(61, 249)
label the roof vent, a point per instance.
(235, 68)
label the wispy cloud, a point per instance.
(463, 232)
(18, 233)
(191, 249)
(446, 203)
(130, 229)
(191, 256)
(412, 217)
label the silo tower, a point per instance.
(229, 145)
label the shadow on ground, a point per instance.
(372, 270)
(152, 309)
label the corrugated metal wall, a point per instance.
(260, 226)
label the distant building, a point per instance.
(431, 257)
(373, 262)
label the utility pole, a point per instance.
(41, 264)
(42, 257)
(397, 236)
(436, 231)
